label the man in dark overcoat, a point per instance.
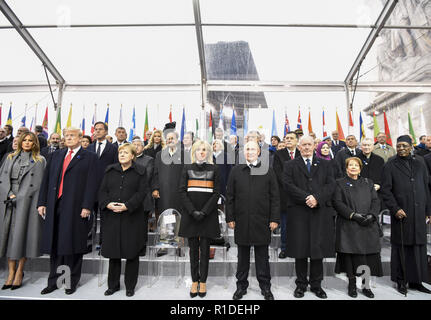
(281, 156)
(406, 194)
(253, 211)
(66, 198)
(309, 184)
(351, 150)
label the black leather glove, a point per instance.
(369, 219)
(198, 215)
(359, 218)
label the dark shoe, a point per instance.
(48, 290)
(238, 294)
(282, 254)
(70, 291)
(267, 294)
(202, 294)
(368, 293)
(419, 287)
(161, 252)
(130, 293)
(6, 286)
(202, 289)
(193, 294)
(352, 292)
(319, 293)
(299, 292)
(110, 292)
(401, 287)
(14, 287)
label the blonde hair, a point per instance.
(196, 146)
(151, 142)
(74, 129)
(130, 147)
(359, 161)
(35, 149)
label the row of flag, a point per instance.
(211, 127)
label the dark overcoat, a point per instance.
(372, 167)
(407, 189)
(310, 231)
(280, 157)
(166, 179)
(124, 234)
(340, 160)
(148, 163)
(356, 196)
(253, 201)
(224, 161)
(200, 200)
(109, 156)
(79, 192)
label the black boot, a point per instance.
(351, 290)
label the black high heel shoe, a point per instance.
(194, 294)
(14, 287)
(202, 293)
(6, 286)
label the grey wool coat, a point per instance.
(27, 230)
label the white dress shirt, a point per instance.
(254, 163)
(75, 151)
(102, 146)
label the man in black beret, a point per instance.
(407, 196)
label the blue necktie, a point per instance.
(308, 165)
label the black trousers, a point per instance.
(130, 274)
(73, 261)
(199, 262)
(263, 273)
(316, 273)
(415, 263)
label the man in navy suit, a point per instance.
(66, 198)
(107, 154)
(337, 145)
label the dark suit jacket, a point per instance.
(42, 141)
(109, 156)
(281, 156)
(3, 147)
(335, 149)
(79, 191)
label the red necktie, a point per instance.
(291, 155)
(65, 165)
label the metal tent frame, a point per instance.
(206, 85)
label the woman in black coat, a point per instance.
(199, 190)
(121, 200)
(156, 144)
(357, 231)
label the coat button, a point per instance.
(310, 179)
(31, 185)
(412, 179)
(32, 174)
(30, 197)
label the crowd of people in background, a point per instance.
(325, 196)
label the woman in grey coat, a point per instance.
(20, 225)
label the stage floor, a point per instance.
(164, 289)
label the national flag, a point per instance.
(339, 128)
(183, 125)
(93, 121)
(107, 115)
(221, 119)
(210, 129)
(350, 128)
(411, 130)
(23, 120)
(57, 128)
(45, 123)
(83, 120)
(325, 134)
(133, 128)
(361, 127)
(69, 118)
(423, 129)
(31, 124)
(387, 132)
(376, 127)
(120, 120)
(310, 127)
(9, 117)
(146, 123)
(274, 126)
(400, 124)
(233, 123)
(170, 114)
(286, 124)
(245, 123)
(197, 128)
(299, 123)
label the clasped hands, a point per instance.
(117, 207)
(311, 201)
(363, 219)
